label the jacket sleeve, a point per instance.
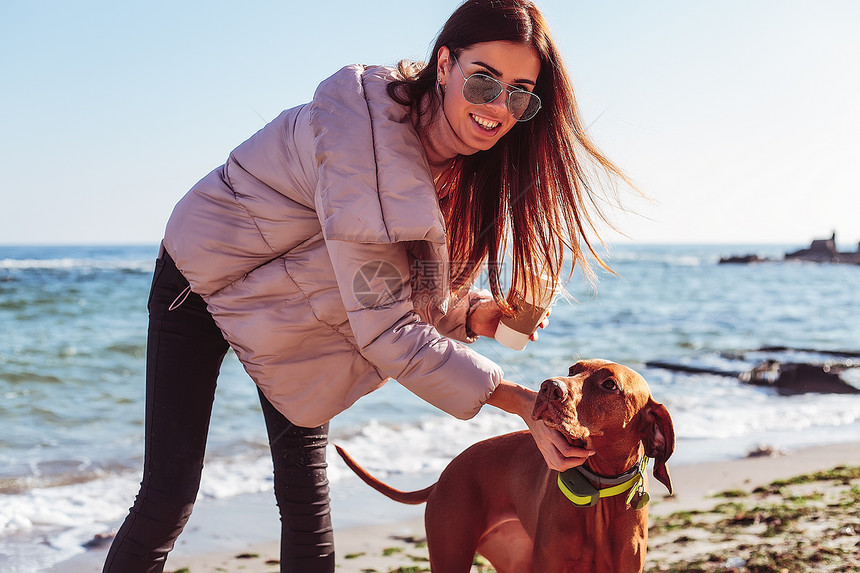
(451, 319)
(374, 284)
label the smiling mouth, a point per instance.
(485, 124)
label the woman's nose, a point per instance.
(499, 105)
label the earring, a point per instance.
(439, 89)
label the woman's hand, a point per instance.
(484, 314)
(543, 324)
(558, 454)
(483, 318)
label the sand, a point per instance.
(716, 521)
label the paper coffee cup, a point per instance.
(514, 331)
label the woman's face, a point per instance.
(480, 126)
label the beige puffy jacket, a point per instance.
(318, 248)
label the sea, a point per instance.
(73, 338)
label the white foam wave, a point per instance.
(757, 416)
(424, 447)
(670, 259)
(76, 264)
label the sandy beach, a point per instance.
(794, 511)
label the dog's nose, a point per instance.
(553, 390)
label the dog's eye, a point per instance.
(609, 385)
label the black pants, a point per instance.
(184, 353)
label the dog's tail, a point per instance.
(410, 497)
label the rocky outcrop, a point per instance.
(819, 251)
(798, 378)
(742, 259)
(785, 375)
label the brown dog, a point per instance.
(498, 498)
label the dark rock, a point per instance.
(825, 251)
(676, 367)
(767, 451)
(798, 378)
(741, 259)
(99, 541)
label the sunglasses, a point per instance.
(479, 88)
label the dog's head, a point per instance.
(600, 402)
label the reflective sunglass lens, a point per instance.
(523, 105)
(480, 89)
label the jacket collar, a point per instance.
(374, 181)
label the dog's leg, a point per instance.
(451, 546)
(453, 523)
(474, 507)
(508, 547)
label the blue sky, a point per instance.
(739, 119)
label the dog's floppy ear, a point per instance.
(658, 435)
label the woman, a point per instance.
(335, 248)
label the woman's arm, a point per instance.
(519, 400)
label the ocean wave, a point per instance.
(102, 494)
(129, 349)
(75, 264)
(756, 415)
(678, 260)
(28, 377)
(50, 479)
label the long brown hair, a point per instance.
(538, 185)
